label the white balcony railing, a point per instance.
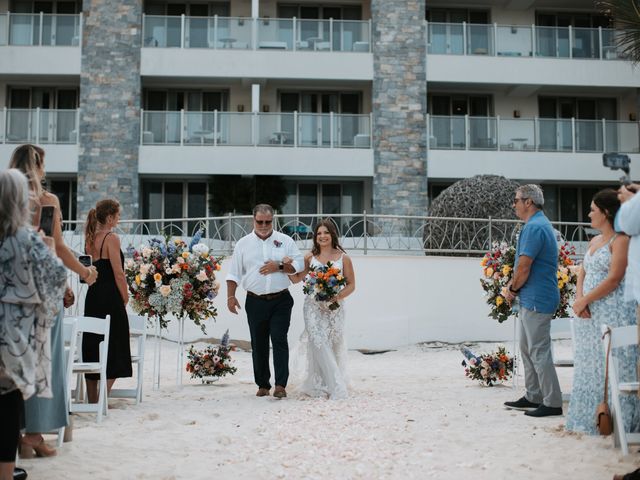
(39, 126)
(532, 134)
(326, 130)
(40, 29)
(241, 33)
(521, 41)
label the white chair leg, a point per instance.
(60, 437)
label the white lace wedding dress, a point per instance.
(323, 349)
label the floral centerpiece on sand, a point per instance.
(213, 361)
(325, 283)
(167, 276)
(497, 269)
(488, 368)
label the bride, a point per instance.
(322, 341)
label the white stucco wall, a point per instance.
(398, 301)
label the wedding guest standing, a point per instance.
(600, 300)
(47, 414)
(33, 281)
(108, 296)
(535, 284)
(258, 263)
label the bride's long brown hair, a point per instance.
(333, 231)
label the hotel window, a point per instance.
(173, 199)
(66, 191)
(555, 42)
(447, 131)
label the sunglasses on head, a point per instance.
(264, 222)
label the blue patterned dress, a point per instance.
(588, 376)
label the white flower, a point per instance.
(200, 249)
(129, 264)
(180, 260)
(202, 276)
(176, 268)
(144, 268)
(215, 286)
(168, 271)
(165, 290)
(216, 359)
(146, 252)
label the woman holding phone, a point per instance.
(47, 414)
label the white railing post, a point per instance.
(466, 133)
(370, 130)
(294, 32)
(215, 127)
(144, 28)
(570, 41)
(141, 126)
(5, 126)
(428, 129)
(534, 48)
(40, 29)
(331, 127)
(536, 135)
(254, 33)
(331, 34)
(495, 39)
(600, 42)
(370, 42)
(215, 32)
(464, 38)
(182, 127)
(604, 135)
(498, 132)
(37, 125)
(183, 33)
(80, 27)
(77, 126)
(573, 135)
(254, 128)
(295, 128)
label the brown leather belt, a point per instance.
(268, 296)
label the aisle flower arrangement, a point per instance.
(497, 272)
(213, 361)
(325, 283)
(488, 368)
(169, 276)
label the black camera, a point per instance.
(618, 161)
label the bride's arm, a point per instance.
(298, 277)
(350, 275)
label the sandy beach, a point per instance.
(412, 414)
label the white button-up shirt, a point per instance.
(628, 221)
(251, 252)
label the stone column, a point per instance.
(399, 107)
(110, 105)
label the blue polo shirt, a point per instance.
(537, 241)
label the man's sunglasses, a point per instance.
(263, 222)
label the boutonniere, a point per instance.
(277, 243)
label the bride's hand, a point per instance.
(287, 260)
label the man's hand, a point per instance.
(233, 305)
(626, 192)
(269, 267)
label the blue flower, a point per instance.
(196, 239)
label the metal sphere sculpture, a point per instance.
(479, 197)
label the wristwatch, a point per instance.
(281, 266)
(512, 290)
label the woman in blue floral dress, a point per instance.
(599, 300)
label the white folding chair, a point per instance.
(70, 338)
(100, 326)
(137, 331)
(620, 337)
(562, 329)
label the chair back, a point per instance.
(99, 326)
(137, 324)
(623, 336)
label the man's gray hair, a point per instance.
(263, 208)
(533, 192)
(14, 202)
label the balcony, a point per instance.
(239, 47)
(41, 126)
(531, 149)
(256, 144)
(36, 44)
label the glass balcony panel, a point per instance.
(586, 43)
(482, 133)
(314, 35)
(161, 128)
(351, 36)
(447, 133)
(622, 137)
(479, 39)
(517, 134)
(162, 31)
(352, 131)
(446, 38)
(236, 128)
(552, 42)
(60, 30)
(275, 129)
(66, 130)
(24, 29)
(555, 135)
(4, 29)
(19, 126)
(231, 33)
(589, 136)
(196, 32)
(199, 128)
(314, 130)
(275, 34)
(609, 44)
(514, 41)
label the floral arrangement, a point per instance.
(325, 283)
(489, 368)
(213, 361)
(497, 268)
(167, 276)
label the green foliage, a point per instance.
(239, 194)
(626, 19)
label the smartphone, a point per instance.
(85, 260)
(46, 219)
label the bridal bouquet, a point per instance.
(325, 283)
(213, 361)
(497, 269)
(169, 276)
(488, 368)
